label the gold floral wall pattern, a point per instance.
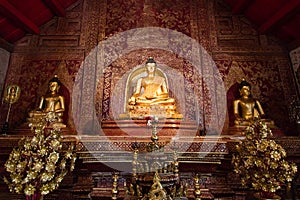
(125, 15)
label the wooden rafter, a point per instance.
(55, 7)
(13, 14)
(288, 10)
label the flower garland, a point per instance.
(38, 165)
(260, 162)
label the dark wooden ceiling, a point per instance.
(280, 18)
(19, 17)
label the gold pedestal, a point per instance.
(144, 111)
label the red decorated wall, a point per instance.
(66, 45)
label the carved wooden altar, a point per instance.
(66, 42)
(101, 156)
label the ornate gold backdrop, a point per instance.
(234, 44)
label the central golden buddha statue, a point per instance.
(151, 97)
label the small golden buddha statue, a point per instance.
(246, 109)
(151, 97)
(51, 103)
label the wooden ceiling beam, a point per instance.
(14, 15)
(55, 7)
(241, 6)
(287, 11)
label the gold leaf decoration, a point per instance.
(38, 164)
(260, 161)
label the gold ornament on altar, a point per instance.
(157, 191)
(10, 96)
(38, 165)
(155, 175)
(260, 161)
(151, 96)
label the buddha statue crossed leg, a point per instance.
(50, 104)
(151, 96)
(246, 109)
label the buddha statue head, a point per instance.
(244, 88)
(54, 84)
(151, 65)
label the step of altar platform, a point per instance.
(168, 127)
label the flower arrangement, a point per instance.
(260, 162)
(38, 165)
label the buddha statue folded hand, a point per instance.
(151, 97)
(51, 105)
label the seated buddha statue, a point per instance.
(246, 109)
(51, 104)
(151, 97)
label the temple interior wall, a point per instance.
(92, 74)
(203, 50)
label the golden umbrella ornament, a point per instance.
(11, 96)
